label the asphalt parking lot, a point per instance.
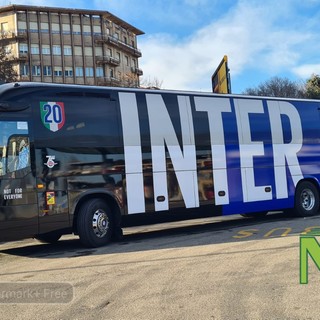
(213, 268)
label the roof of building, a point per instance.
(104, 14)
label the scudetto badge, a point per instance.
(52, 115)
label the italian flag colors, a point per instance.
(52, 115)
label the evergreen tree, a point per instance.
(312, 87)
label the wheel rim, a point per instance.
(100, 223)
(307, 199)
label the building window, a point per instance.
(76, 29)
(65, 28)
(23, 48)
(24, 69)
(36, 70)
(125, 40)
(55, 28)
(45, 49)
(35, 49)
(56, 50)
(22, 26)
(99, 51)
(33, 26)
(7, 49)
(89, 72)
(79, 72)
(68, 72)
(77, 50)
(57, 71)
(47, 70)
(118, 56)
(88, 51)
(97, 30)
(87, 30)
(99, 72)
(111, 73)
(4, 27)
(44, 26)
(110, 52)
(67, 51)
(127, 60)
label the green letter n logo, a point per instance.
(308, 246)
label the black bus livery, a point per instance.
(84, 160)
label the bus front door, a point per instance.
(18, 201)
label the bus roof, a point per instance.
(15, 85)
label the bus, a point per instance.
(86, 160)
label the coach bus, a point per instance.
(84, 159)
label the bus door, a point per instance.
(18, 201)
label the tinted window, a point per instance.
(76, 118)
(14, 146)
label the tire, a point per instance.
(95, 223)
(306, 202)
(51, 237)
(255, 214)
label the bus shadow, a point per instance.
(171, 235)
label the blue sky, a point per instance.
(185, 40)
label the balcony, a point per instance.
(119, 44)
(107, 60)
(24, 78)
(137, 71)
(98, 38)
(22, 57)
(108, 81)
(7, 37)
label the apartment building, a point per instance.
(73, 46)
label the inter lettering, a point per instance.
(285, 152)
(132, 152)
(214, 108)
(165, 145)
(249, 149)
(183, 159)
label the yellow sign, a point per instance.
(51, 199)
(220, 78)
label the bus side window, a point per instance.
(11, 162)
(24, 154)
(2, 160)
(18, 155)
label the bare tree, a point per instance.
(129, 80)
(7, 72)
(155, 83)
(278, 87)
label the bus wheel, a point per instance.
(94, 223)
(306, 199)
(255, 214)
(51, 237)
